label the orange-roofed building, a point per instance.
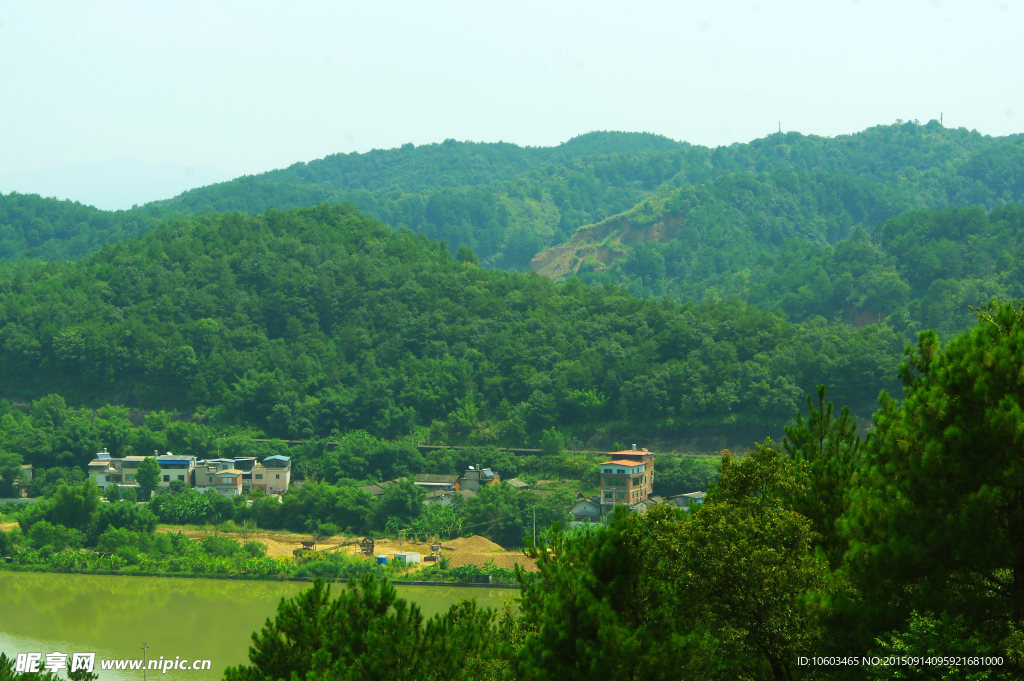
(626, 478)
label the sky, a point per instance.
(113, 103)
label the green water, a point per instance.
(113, 616)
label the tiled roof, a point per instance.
(437, 478)
(517, 483)
(689, 495)
(377, 488)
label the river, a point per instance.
(113, 616)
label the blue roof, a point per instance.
(277, 457)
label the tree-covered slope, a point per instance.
(48, 229)
(322, 320)
(509, 203)
(725, 236)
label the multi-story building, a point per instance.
(130, 467)
(626, 478)
(104, 471)
(175, 467)
(226, 476)
(477, 477)
(277, 476)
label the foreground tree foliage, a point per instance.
(368, 632)
(727, 593)
(938, 517)
(828, 449)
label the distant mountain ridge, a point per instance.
(511, 203)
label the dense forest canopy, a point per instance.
(509, 203)
(33, 227)
(318, 321)
(920, 269)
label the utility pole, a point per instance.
(144, 649)
(534, 529)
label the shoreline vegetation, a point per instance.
(43, 569)
(217, 554)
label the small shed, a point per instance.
(688, 501)
(408, 557)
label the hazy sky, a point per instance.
(248, 86)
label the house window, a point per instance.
(129, 477)
(259, 476)
(608, 496)
(636, 481)
(620, 495)
(167, 478)
(620, 471)
(181, 477)
(607, 470)
(278, 476)
(108, 478)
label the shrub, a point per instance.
(59, 537)
(321, 568)
(255, 549)
(222, 547)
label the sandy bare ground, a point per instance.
(7, 527)
(475, 550)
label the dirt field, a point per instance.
(7, 527)
(475, 550)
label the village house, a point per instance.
(175, 468)
(447, 497)
(687, 501)
(587, 508)
(277, 476)
(226, 481)
(437, 483)
(626, 479)
(478, 476)
(103, 471)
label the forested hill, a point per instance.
(318, 321)
(48, 229)
(770, 237)
(509, 203)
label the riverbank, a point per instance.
(8, 567)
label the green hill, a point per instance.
(771, 237)
(318, 321)
(48, 229)
(510, 203)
